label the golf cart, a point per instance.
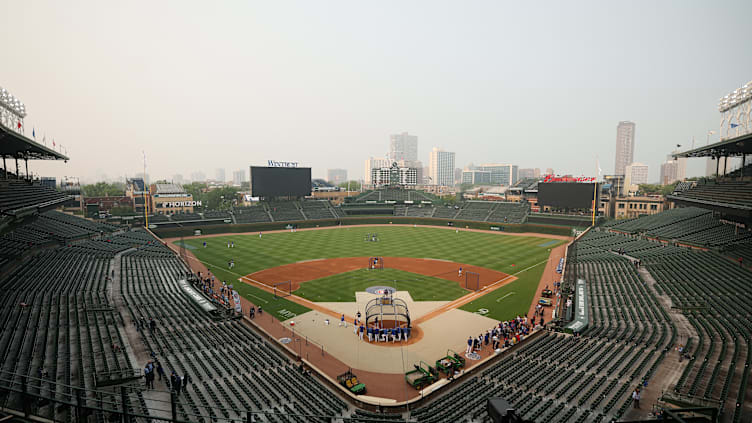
(351, 382)
(422, 375)
(546, 302)
(451, 362)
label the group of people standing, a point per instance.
(154, 369)
(375, 332)
(504, 335)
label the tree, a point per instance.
(354, 185)
(656, 189)
(221, 198)
(103, 189)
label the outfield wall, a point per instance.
(171, 230)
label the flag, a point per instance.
(19, 124)
(34, 132)
(734, 125)
(53, 142)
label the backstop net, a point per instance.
(472, 281)
(375, 263)
(282, 289)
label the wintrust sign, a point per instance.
(274, 163)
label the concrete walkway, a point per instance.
(158, 402)
(669, 371)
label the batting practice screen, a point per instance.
(280, 181)
(565, 195)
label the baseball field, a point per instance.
(519, 259)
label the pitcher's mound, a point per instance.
(380, 290)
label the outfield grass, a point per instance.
(508, 254)
(342, 287)
(511, 300)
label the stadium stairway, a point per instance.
(133, 347)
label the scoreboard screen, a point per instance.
(280, 181)
(565, 195)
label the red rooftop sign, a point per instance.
(553, 178)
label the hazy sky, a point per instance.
(202, 85)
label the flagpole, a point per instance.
(595, 190)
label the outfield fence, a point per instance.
(172, 231)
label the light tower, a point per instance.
(736, 112)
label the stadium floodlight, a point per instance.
(12, 104)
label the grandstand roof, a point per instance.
(169, 189)
(730, 147)
(14, 144)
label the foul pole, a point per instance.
(146, 202)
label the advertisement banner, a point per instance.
(236, 299)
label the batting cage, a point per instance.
(472, 281)
(376, 263)
(282, 289)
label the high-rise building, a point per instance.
(238, 177)
(501, 174)
(177, 178)
(536, 173)
(634, 175)
(442, 167)
(549, 171)
(673, 170)
(476, 177)
(219, 175)
(198, 176)
(373, 163)
(723, 163)
(336, 176)
(403, 147)
(668, 172)
(625, 140)
(527, 173)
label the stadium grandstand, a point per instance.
(661, 301)
(729, 194)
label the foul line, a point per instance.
(501, 298)
(482, 292)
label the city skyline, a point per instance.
(283, 78)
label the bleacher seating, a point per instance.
(394, 194)
(285, 211)
(728, 194)
(185, 217)
(419, 211)
(446, 212)
(690, 225)
(562, 378)
(49, 228)
(509, 213)
(233, 369)
(57, 316)
(317, 209)
(253, 214)
(18, 195)
(217, 214)
(476, 210)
